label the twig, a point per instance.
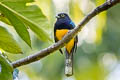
(41, 54)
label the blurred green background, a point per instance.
(97, 56)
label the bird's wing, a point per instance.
(75, 43)
(72, 25)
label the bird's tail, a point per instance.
(68, 64)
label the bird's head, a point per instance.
(62, 16)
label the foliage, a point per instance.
(17, 11)
(7, 42)
(32, 17)
(5, 68)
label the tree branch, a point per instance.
(41, 54)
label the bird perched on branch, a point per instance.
(62, 26)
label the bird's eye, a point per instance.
(62, 15)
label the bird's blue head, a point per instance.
(63, 17)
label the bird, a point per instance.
(62, 26)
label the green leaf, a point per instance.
(4, 19)
(101, 23)
(18, 24)
(31, 15)
(5, 69)
(7, 43)
(75, 11)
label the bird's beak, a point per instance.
(57, 17)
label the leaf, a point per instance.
(18, 24)
(101, 23)
(7, 42)
(31, 15)
(4, 19)
(5, 69)
(75, 11)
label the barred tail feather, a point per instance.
(68, 64)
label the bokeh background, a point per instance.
(98, 53)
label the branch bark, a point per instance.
(41, 54)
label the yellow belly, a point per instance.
(70, 45)
(60, 34)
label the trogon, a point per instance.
(61, 28)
